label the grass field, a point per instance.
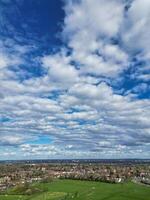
(84, 190)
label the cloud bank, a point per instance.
(91, 97)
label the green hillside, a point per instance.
(82, 190)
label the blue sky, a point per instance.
(74, 79)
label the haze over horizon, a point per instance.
(74, 79)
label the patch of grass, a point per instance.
(49, 196)
(24, 189)
(13, 197)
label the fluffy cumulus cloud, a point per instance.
(90, 99)
(90, 28)
(137, 23)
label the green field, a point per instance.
(82, 190)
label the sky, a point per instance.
(74, 79)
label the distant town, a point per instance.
(15, 173)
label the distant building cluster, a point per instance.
(15, 174)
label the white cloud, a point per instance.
(7, 60)
(137, 26)
(12, 139)
(89, 34)
(60, 70)
(99, 12)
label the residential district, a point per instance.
(12, 174)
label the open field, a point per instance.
(83, 190)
